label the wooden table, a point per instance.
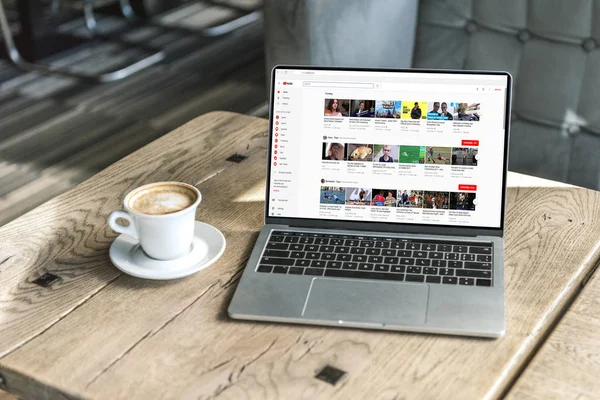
(97, 333)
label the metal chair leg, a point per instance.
(88, 14)
(232, 25)
(127, 10)
(17, 59)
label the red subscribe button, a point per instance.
(467, 187)
(470, 142)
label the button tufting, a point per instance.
(524, 35)
(470, 26)
(589, 44)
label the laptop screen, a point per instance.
(395, 147)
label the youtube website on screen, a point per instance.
(396, 147)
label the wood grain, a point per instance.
(568, 364)
(101, 334)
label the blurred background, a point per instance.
(85, 82)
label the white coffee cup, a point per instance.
(161, 217)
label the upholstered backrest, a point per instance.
(551, 50)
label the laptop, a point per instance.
(385, 201)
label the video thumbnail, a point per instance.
(386, 153)
(337, 107)
(362, 108)
(334, 151)
(438, 155)
(332, 195)
(388, 109)
(360, 152)
(412, 154)
(467, 112)
(384, 198)
(440, 110)
(464, 155)
(414, 110)
(436, 200)
(462, 201)
(410, 198)
(358, 196)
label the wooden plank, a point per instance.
(132, 338)
(567, 366)
(7, 396)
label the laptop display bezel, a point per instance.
(392, 227)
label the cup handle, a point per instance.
(128, 230)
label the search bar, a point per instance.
(353, 85)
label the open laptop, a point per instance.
(385, 201)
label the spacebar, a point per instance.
(342, 273)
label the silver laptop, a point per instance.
(385, 201)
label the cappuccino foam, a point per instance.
(162, 199)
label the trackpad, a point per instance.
(350, 300)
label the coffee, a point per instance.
(162, 198)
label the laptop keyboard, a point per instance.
(376, 257)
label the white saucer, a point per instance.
(207, 246)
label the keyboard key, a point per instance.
(296, 247)
(365, 267)
(326, 249)
(342, 250)
(296, 271)
(291, 239)
(276, 253)
(357, 250)
(413, 246)
(311, 247)
(276, 239)
(436, 255)
(351, 243)
(446, 271)
(336, 242)
(318, 263)
(265, 268)
(280, 270)
(277, 246)
(313, 271)
(363, 274)
(306, 240)
(414, 278)
(484, 282)
(480, 250)
(388, 252)
(344, 257)
(397, 245)
(460, 249)
(397, 268)
(466, 281)
(298, 254)
(391, 260)
(302, 263)
(413, 270)
(382, 245)
(375, 259)
(429, 247)
(419, 254)
(321, 241)
(450, 280)
(477, 265)
(349, 265)
(367, 244)
(313, 256)
(382, 268)
(327, 256)
(373, 252)
(407, 261)
(359, 258)
(452, 256)
(484, 258)
(430, 271)
(433, 279)
(334, 264)
(455, 264)
(474, 274)
(444, 247)
(438, 263)
(423, 262)
(277, 261)
(467, 257)
(404, 253)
